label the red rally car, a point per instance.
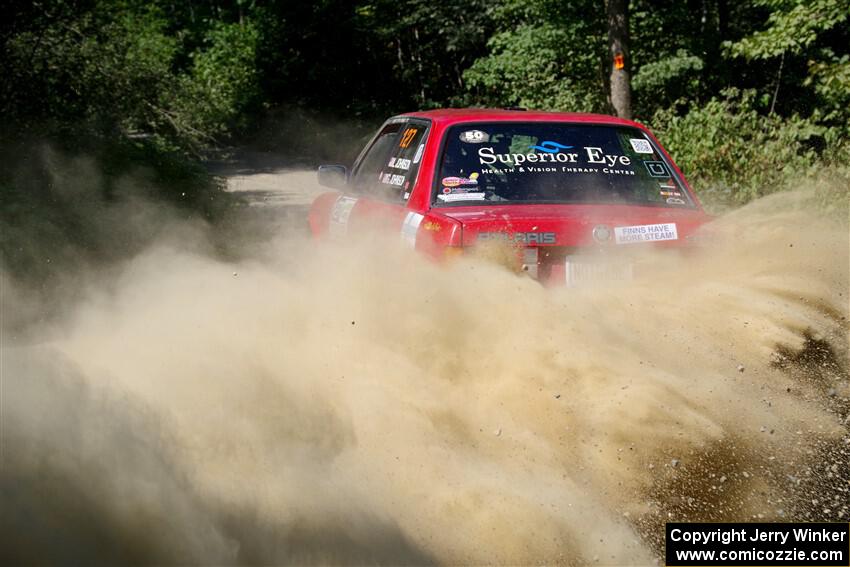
(572, 193)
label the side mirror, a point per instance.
(333, 176)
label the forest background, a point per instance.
(750, 97)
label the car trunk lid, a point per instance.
(576, 243)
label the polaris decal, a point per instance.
(517, 237)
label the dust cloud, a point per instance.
(356, 404)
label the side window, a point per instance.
(389, 167)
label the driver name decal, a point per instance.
(645, 233)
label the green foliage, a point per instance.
(543, 55)
(134, 91)
(542, 67)
(810, 32)
(117, 70)
(433, 42)
(221, 85)
(830, 77)
(667, 79)
(732, 153)
(92, 70)
(786, 120)
(179, 77)
(793, 26)
(831, 182)
(66, 207)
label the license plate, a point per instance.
(584, 272)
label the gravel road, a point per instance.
(267, 179)
(277, 192)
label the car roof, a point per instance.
(448, 116)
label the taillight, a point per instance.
(452, 252)
(437, 236)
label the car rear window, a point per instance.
(511, 162)
(389, 167)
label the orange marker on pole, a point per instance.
(619, 61)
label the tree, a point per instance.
(544, 55)
(812, 33)
(620, 90)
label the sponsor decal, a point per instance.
(669, 193)
(419, 151)
(409, 228)
(461, 197)
(392, 179)
(593, 156)
(474, 137)
(456, 181)
(399, 163)
(450, 190)
(432, 226)
(641, 146)
(657, 169)
(339, 215)
(550, 147)
(645, 233)
(520, 237)
(675, 201)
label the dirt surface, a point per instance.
(292, 402)
(276, 193)
(266, 179)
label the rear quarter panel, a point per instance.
(320, 213)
